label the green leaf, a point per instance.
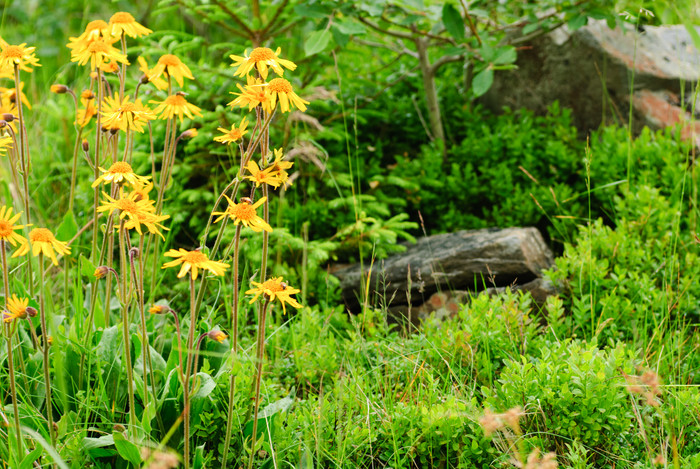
(317, 41)
(453, 21)
(505, 55)
(28, 461)
(577, 22)
(305, 10)
(127, 449)
(339, 37)
(87, 268)
(205, 386)
(482, 82)
(350, 27)
(107, 348)
(68, 228)
(92, 443)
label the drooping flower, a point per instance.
(43, 240)
(274, 289)
(97, 52)
(125, 115)
(193, 260)
(171, 66)
(265, 176)
(176, 105)
(119, 173)
(261, 58)
(233, 135)
(279, 87)
(16, 309)
(8, 227)
(255, 93)
(20, 55)
(123, 22)
(158, 82)
(217, 336)
(245, 214)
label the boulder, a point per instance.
(590, 71)
(465, 260)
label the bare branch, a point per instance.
(444, 60)
(235, 18)
(275, 17)
(384, 31)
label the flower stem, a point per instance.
(185, 384)
(45, 348)
(260, 351)
(125, 324)
(25, 165)
(96, 168)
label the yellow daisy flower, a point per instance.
(119, 173)
(10, 94)
(274, 289)
(193, 260)
(253, 94)
(171, 66)
(123, 22)
(19, 55)
(5, 143)
(158, 82)
(129, 207)
(94, 30)
(86, 114)
(265, 176)
(176, 105)
(16, 309)
(8, 227)
(279, 167)
(245, 214)
(279, 87)
(43, 240)
(97, 52)
(109, 67)
(232, 135)
(125, 115)
(150, 220)
(261, 58)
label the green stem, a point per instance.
(96, 168)
(45, 348)
(186, 385)
(74, 169)
(125, 324)
(260, 349)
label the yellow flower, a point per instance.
(97, 52)
(109, 67)
(119, 173)
(171, 66)
(176, 105)
(282, 88)
(193, 260)
(125, 115)
(94, 30)
(280, 167)
(158, 309)
(245, 214)
(19, 55)
(8, 227)
(234, 134)
(128, 206)
(274, 289)
(86, 114)
(10, 94)
(253, 94)
(5, 143)
(158, 82)
(16, 309)
(150, 220)
(123, 22)
(265, 176)
(43, 240)
(261, 58)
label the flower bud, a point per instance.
(87, 94)
(217, 336)
(159, 309)
(189, 133)
(3, 124)
(246, 200)
(31, 311)
(7, 117)
(86, 145)
(59, 89)
(134, 253)
(102, 271)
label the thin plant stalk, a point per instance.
(96, 167)
(10, 359)
(45, 348)
(185, 384)
(234, 346)
(125, 323)
(260, 352)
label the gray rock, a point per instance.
(465, 260)
(589, 71)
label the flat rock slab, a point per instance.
(465, 260)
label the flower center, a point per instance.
(261, 54)
(122, 17)
(128, 107)
(5, 229)
(280, 85)
(13, 52)
(273, 285)
(235, 134)
(41, 235)
(127, 205)
(195, 258)
(169, 60)
(98, 46)
(120, 167)
(244, 211)
(96, 25)
(176, 100)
